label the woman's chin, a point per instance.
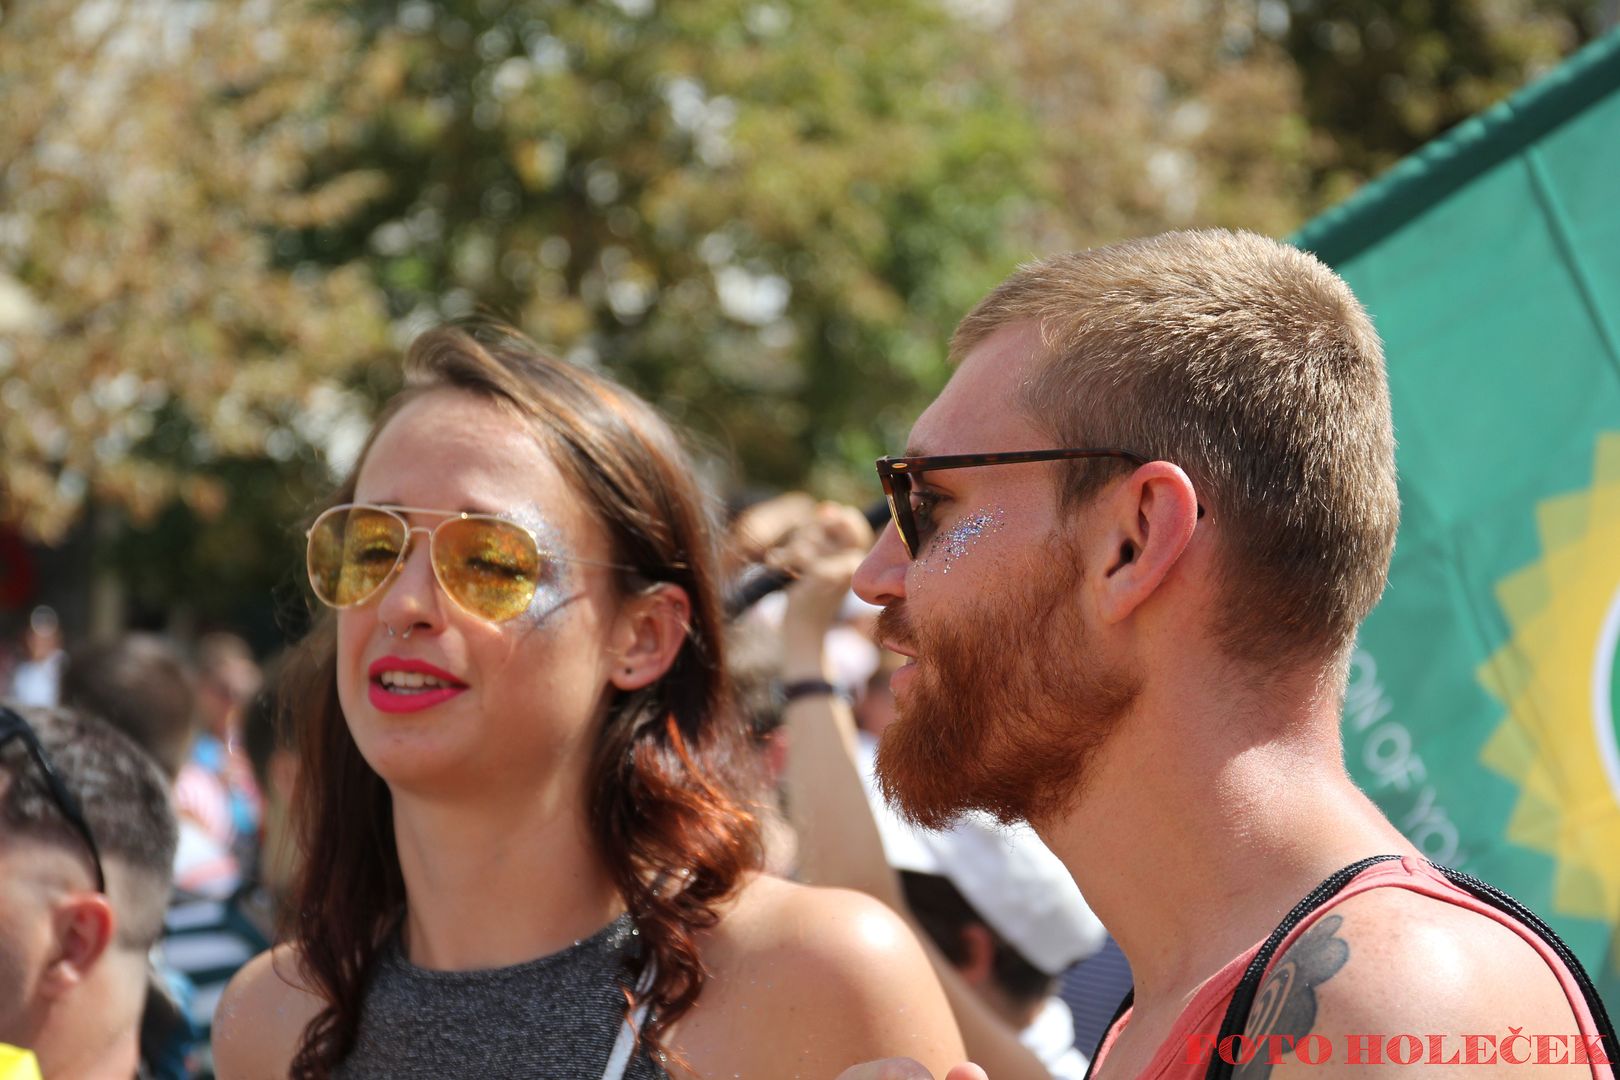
(410, 755)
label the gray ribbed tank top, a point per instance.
(556, 1017)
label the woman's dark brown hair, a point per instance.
(668, 758)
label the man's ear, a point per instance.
(648, 635)
(82, 930)
(1149, 520)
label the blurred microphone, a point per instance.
(757, 582)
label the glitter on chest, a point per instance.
(966, 534)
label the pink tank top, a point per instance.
(1204, 1014)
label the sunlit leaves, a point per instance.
(158, 145)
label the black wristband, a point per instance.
(805, 688)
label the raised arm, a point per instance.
(839, 843)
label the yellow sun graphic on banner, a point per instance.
(1559, 678)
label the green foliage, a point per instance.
(764, 216)
(152, 339)
(1161, 114)
(1381, 78)
(220, 220)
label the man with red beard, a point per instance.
(1133, 540)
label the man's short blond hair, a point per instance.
(1252, 366)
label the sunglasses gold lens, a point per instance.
(351, 553)
(899, 520)
(487, 566)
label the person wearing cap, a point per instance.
(86, 841)
(1005, 914)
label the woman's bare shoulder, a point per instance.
(810, 981)
(812, 924)
(262, 1015)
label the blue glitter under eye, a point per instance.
(968, 532)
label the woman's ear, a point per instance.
(648, 635)
(82, 927)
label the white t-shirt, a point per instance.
(1050, 1036)
(38, 683)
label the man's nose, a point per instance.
(881, 579)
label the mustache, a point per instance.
(894, 628)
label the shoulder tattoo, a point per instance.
(1286, 1003)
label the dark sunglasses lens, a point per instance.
(898, 491)
(899, 524)
(489, 567)
(351, 553)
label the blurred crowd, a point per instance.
(1022, 958)
(201, 714)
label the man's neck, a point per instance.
(69, 1046)
(1205, 820)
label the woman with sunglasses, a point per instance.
(524, 854)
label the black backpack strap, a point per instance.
(1503, 902)
(1243, 996)
(1237, 1013)
(1130, 996)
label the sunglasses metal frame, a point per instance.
(398, 514)
(14, 726)
(896, 472)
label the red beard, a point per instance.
(1006, 712)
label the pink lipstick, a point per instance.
(402, 685)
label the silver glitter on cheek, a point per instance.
(557, 584)
(966, 534)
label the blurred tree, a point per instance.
(156, 356)
(763, 214)
(1380, 78)
(1157, 114)
(1255, 113)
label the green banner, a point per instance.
(1484, 705)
